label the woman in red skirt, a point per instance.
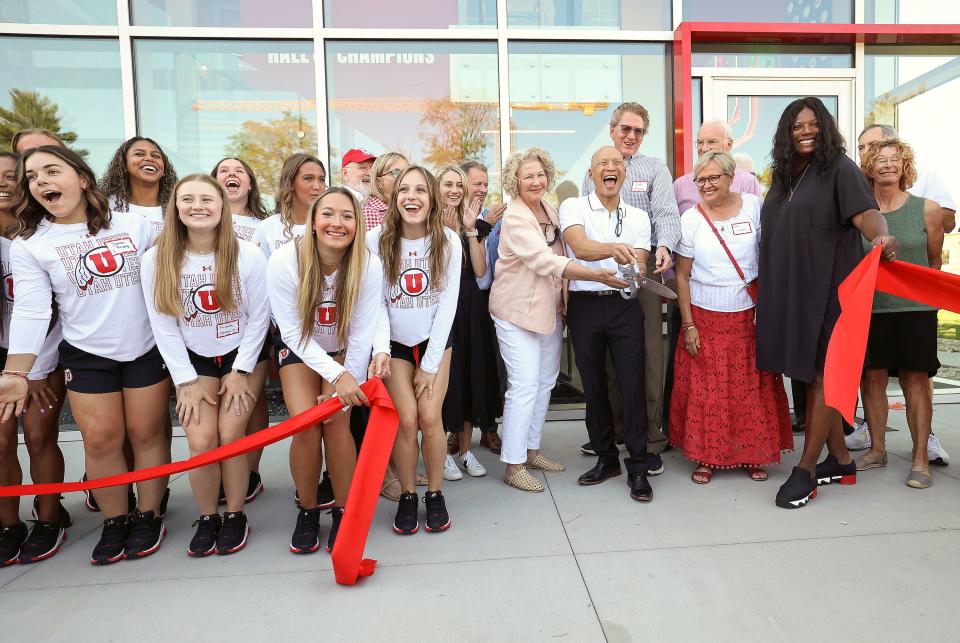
(724, 412)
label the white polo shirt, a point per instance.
(601, 226)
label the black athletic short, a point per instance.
(286, 357)
(413, 354)
(88, 373)
(219, 366)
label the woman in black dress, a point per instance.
(812, 220)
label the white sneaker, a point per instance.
(450, 469)
(936, 453)
(860, 438)
(472, 465)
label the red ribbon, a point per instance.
(348, 563)
(848, 344)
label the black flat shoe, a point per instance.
(799, 489)
(831, 471)
(640, 488)
(600, 473)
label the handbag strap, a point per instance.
(722, 243)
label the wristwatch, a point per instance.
(241, 372)
(471, 233)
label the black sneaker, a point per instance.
(337, 514)
(830, 471)
(325, 498)
(43, 542)
(63, 516)
(11, 538)
(254, 487)
(306, 535)
(234, 534)
(587, 449)
(89, 500)
(405, 523)
(799, 489)
(146, 534)
(112, 538)
(654, 464)
(437, 517)
(204, 541)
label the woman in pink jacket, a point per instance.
(527, 305)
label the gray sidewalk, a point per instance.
(876, 561)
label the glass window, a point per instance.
(436, 102)
(221, 13)
(816, 11)
(930, 12)
(561, 99)
(772, 56)
(203, 100)
(66, 85)
(411, 14)
(68, 12)
(590, 14)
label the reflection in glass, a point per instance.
(902, 12)
(203, 100)
(66, 85)
(410, 14)
(436, 102)
(772, 56)
(221, 13)
(590, 14)
(808, 11)
(62, 12)
(754, 120)
(562, 95)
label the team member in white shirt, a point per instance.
(205, 292)
(421, 263)
(248, 212)
(602, 231)
(326, 295)
(40, 430)
(139, 180)
(302, 179)
(70, 249)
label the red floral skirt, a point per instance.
(724, 412)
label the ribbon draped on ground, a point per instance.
(848, 344)
(348, 563)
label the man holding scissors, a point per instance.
(602, 231)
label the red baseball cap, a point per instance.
(357, 156)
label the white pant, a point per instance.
(533, 363)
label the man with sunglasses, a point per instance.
(602, 231)
(647, 186)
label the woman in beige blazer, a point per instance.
(527, 305)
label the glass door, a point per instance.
(753, 103)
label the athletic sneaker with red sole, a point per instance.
(44, 541)
(147, 532)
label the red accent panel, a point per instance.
(682, 100)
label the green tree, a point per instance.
(31, 110)
(264, 145)
(453, 132)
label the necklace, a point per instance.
(793, 188)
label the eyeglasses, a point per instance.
(638, 131)
(713, 179)
(395, 172)
(619, 229)
(551, 233)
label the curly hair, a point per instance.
(511, 182)
(254, 201)
(828, 146)
(633, 108)
(909, 174)
(116, 179)
(288, 174)
(30, 212)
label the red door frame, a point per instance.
(689, 33)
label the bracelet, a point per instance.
(191, 382)
(241, 372)
(337, 378)
(471, 233)
(21, 374)
(685, 327)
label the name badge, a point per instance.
(640, 186)
(225, 329)
(121, 246)
(743, 227)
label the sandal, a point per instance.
(865, 462)
(544, 463)
(757, 474)
(390, 489)
(523, 480)
(702, 475)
